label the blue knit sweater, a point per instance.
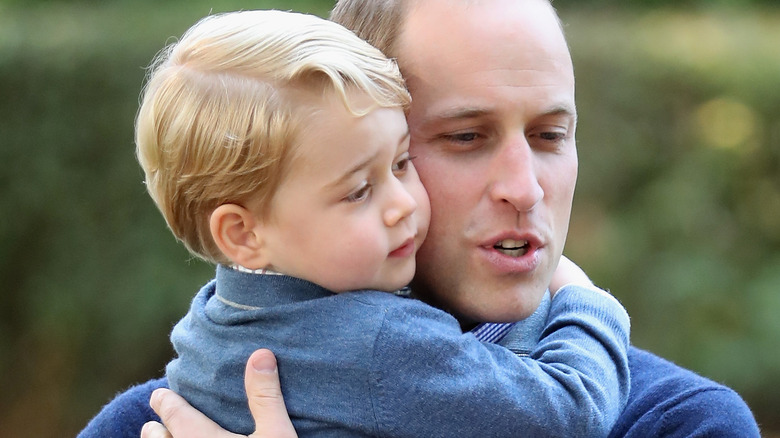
(665, 400)
(371, 363)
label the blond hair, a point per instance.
(215, 125)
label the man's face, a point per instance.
(492, 126)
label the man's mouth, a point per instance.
(512, 248)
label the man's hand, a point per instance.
(265, 402)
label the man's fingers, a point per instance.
(265, 397)
(154, 429)
(181, 419)
(265, 402)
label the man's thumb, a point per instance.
(265, 397)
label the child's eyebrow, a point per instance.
(404, 137)
(363, 164)
(352, 170)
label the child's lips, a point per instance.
(405, 250)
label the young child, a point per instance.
(275, 145)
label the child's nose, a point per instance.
(401, 204)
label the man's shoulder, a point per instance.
(126, 413)
(668, 400)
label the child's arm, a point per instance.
(432, 381)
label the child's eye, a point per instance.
(360, 194)
(402, 165)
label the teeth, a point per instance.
(510, 244)
(512, 248)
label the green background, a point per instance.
(677, 210)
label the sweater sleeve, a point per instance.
(125, 415)
(667, 400)
(431, 380)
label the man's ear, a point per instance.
(238, 234)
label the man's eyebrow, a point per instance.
(460, 113)
(475, 112)
(561, 110)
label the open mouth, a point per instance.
(512, 248)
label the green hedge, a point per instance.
(678, 203)
(676, 208)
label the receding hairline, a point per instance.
(406, 7)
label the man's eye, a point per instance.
(462, 137)
(361, 194)
(551, 141)
(552, 136)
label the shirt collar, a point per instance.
(250, 290)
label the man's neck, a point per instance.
(525, 334)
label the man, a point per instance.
(492, 125)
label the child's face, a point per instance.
(352, 211)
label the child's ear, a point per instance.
(238, 234)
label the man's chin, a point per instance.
(495, 311)
(483, 301)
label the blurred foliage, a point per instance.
(652, 4)
(94, 280)
(676, 209)
(678, 202)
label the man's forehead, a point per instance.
(456, 30)
(473, 8)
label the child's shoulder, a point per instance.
(391, 300)
(401, 311)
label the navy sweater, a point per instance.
(370, 363)
(665, 401)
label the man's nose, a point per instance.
(400, 203)
(515, 175)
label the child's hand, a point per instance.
(568, 273)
